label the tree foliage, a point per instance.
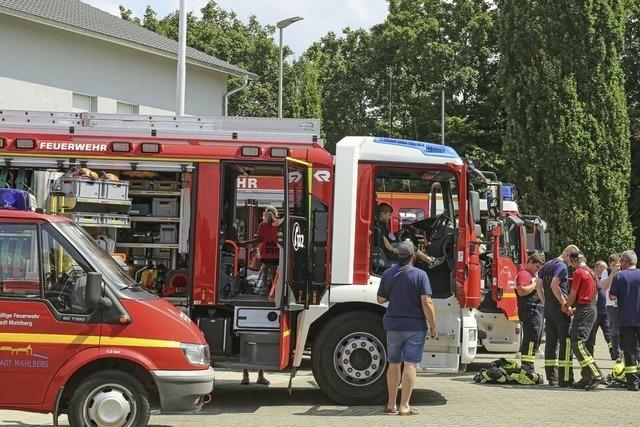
(567, 129)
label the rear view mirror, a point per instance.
(93, 291)
(494, 199)
(474, 205)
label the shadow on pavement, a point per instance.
(248, 399)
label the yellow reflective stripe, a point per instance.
(610, 344)
(302, 162)
(529, 359)
(286, 333)
(630, 369)
(138, 342)
(551, 362)
(531, 353)
(87, 340)
(567, 360)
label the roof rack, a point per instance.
(256, 128)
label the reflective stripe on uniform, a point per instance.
(587, 360)
(630, 369)
(551, 362)
(567, 360)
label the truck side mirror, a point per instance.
(93, 291)
(494, 199)
(474, 205)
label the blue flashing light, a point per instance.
(16, 200)
(508, 192)
(426, 148)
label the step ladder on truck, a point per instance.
(184, 171)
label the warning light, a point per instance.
(17, 200)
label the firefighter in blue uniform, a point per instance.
(553, 279)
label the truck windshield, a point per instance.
(95, 254)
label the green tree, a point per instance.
(309, 102)
(631, 65)
(567, 134)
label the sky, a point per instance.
(320, 16)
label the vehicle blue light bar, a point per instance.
(426, 148)
(17, 200)
(509, 192)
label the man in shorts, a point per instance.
(408, 291)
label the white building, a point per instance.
(64, 55)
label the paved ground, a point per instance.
(441, 399)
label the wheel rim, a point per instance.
(110, 405)
(359, 359)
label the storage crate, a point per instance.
(165, 186)
(141, 209)
(161, 253)
(117, 220)
(139, 185)
(168, 233)
(81, 188)
(88, 219)
(115, 190)
(165, 208)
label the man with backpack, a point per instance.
(408, 291)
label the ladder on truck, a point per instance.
(296, 131)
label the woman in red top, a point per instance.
(267, 237)
(584, 293)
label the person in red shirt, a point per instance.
(267, 239)
(584, 294)
(530, 309)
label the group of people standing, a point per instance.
(573, 309)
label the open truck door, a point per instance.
(293, 286)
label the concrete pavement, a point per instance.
(442, 400)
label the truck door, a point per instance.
(43, 321)
(294, 285)
(507, 253)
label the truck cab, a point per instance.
(78, 336)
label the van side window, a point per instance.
(19, 268)
(65, 274)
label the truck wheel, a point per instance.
(110, 398)
(349, 359)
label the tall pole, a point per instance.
(281, 25)
(182, 50)
(442, 118)
(280, 81)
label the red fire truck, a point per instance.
(78, 336)
(183, 214)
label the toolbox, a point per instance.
(81, 188)
(168, 233)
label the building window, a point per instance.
(124, 108)
(84, 103)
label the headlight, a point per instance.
(196, 354)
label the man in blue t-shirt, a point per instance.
(553, 281)
(625, 288)
(408, 291)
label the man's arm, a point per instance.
(572, 297)
(557, 292)
(540, 289)
(430, 313)
(388, 245)
(606, 283)
(524, 290)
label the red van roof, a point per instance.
(28, 215)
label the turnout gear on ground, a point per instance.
(508, 371)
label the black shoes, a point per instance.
(581, 384)
(632, 387)
(592, 384)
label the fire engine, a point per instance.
(163, 194)
(77, 335)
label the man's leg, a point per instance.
(528, 346)
(408, 381)
(603, 322)
(612, 313)
(393, 382)
(629, 343)
(551, 351)
(565, 360)
(581, 329)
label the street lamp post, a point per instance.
(281, 26)
(442, 88)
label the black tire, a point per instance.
(110, 384)
(330, 353)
